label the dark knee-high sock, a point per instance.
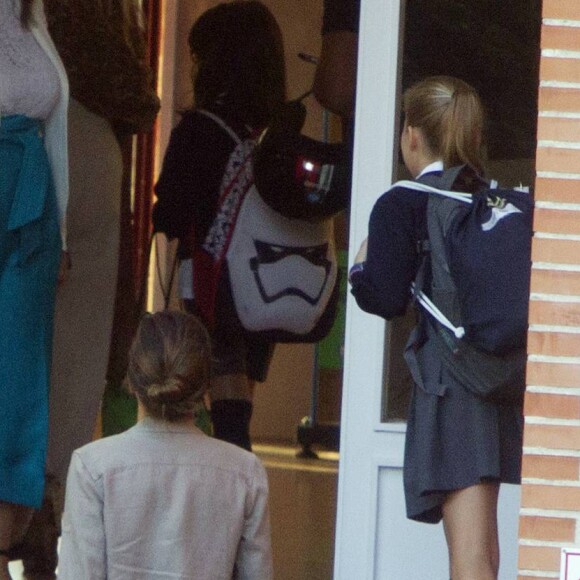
(231, 421)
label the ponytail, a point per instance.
(450, 114)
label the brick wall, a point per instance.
(550, 513)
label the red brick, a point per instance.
(560, 69)
(553, 375)
(560, 37)
(520, 577)
(559, 99)
(555, 252)
(547, 529)
(556, 282)
(558, 159)
(556, 313)
(554, 343)
(560, 190)
(557, 221)
(550, 497)
(539, 558)
(552, 406)
(553, 437)
(551, 467)
(561, 9)
(557, 129)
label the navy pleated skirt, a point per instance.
(29, 258)
(454, 439)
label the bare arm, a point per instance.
(335, 79)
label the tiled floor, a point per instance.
(302, 511)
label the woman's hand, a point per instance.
(361, 255)
(65, 266)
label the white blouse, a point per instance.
(29, 82)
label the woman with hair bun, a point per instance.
(459, 448)
(164, 499)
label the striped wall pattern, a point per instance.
(550, 512)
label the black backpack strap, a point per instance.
(423, 277)
(433, 275)
(450, 176)
(458, 178)
(221, 123)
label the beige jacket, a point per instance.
(165, 501)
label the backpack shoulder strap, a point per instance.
(219, 121)
(450, 176)
(237, 180)
(423, 187)
(441, 207)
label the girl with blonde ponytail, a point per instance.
(459, 448)
(163, 499)
(450, 115)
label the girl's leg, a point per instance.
(14, 521)
(470, 523)
(7, 517)
(231, 408)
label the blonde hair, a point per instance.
(169, 364)
(450, 115)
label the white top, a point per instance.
(29, 82)
(161, 501)
(55, 124)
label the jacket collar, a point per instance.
(159, 426)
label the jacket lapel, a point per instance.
(39, 29)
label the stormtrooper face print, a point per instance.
(283, 271)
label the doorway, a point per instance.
(494, 46)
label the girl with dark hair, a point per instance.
(459, 448)
(163, 499)
(238, 75)
(33, 200)
(238, 51)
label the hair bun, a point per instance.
(170, 391)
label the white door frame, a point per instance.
(373, 171)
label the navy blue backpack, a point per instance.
(474, 282)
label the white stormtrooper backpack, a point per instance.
(283, 272)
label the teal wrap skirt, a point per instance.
(30, 247)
